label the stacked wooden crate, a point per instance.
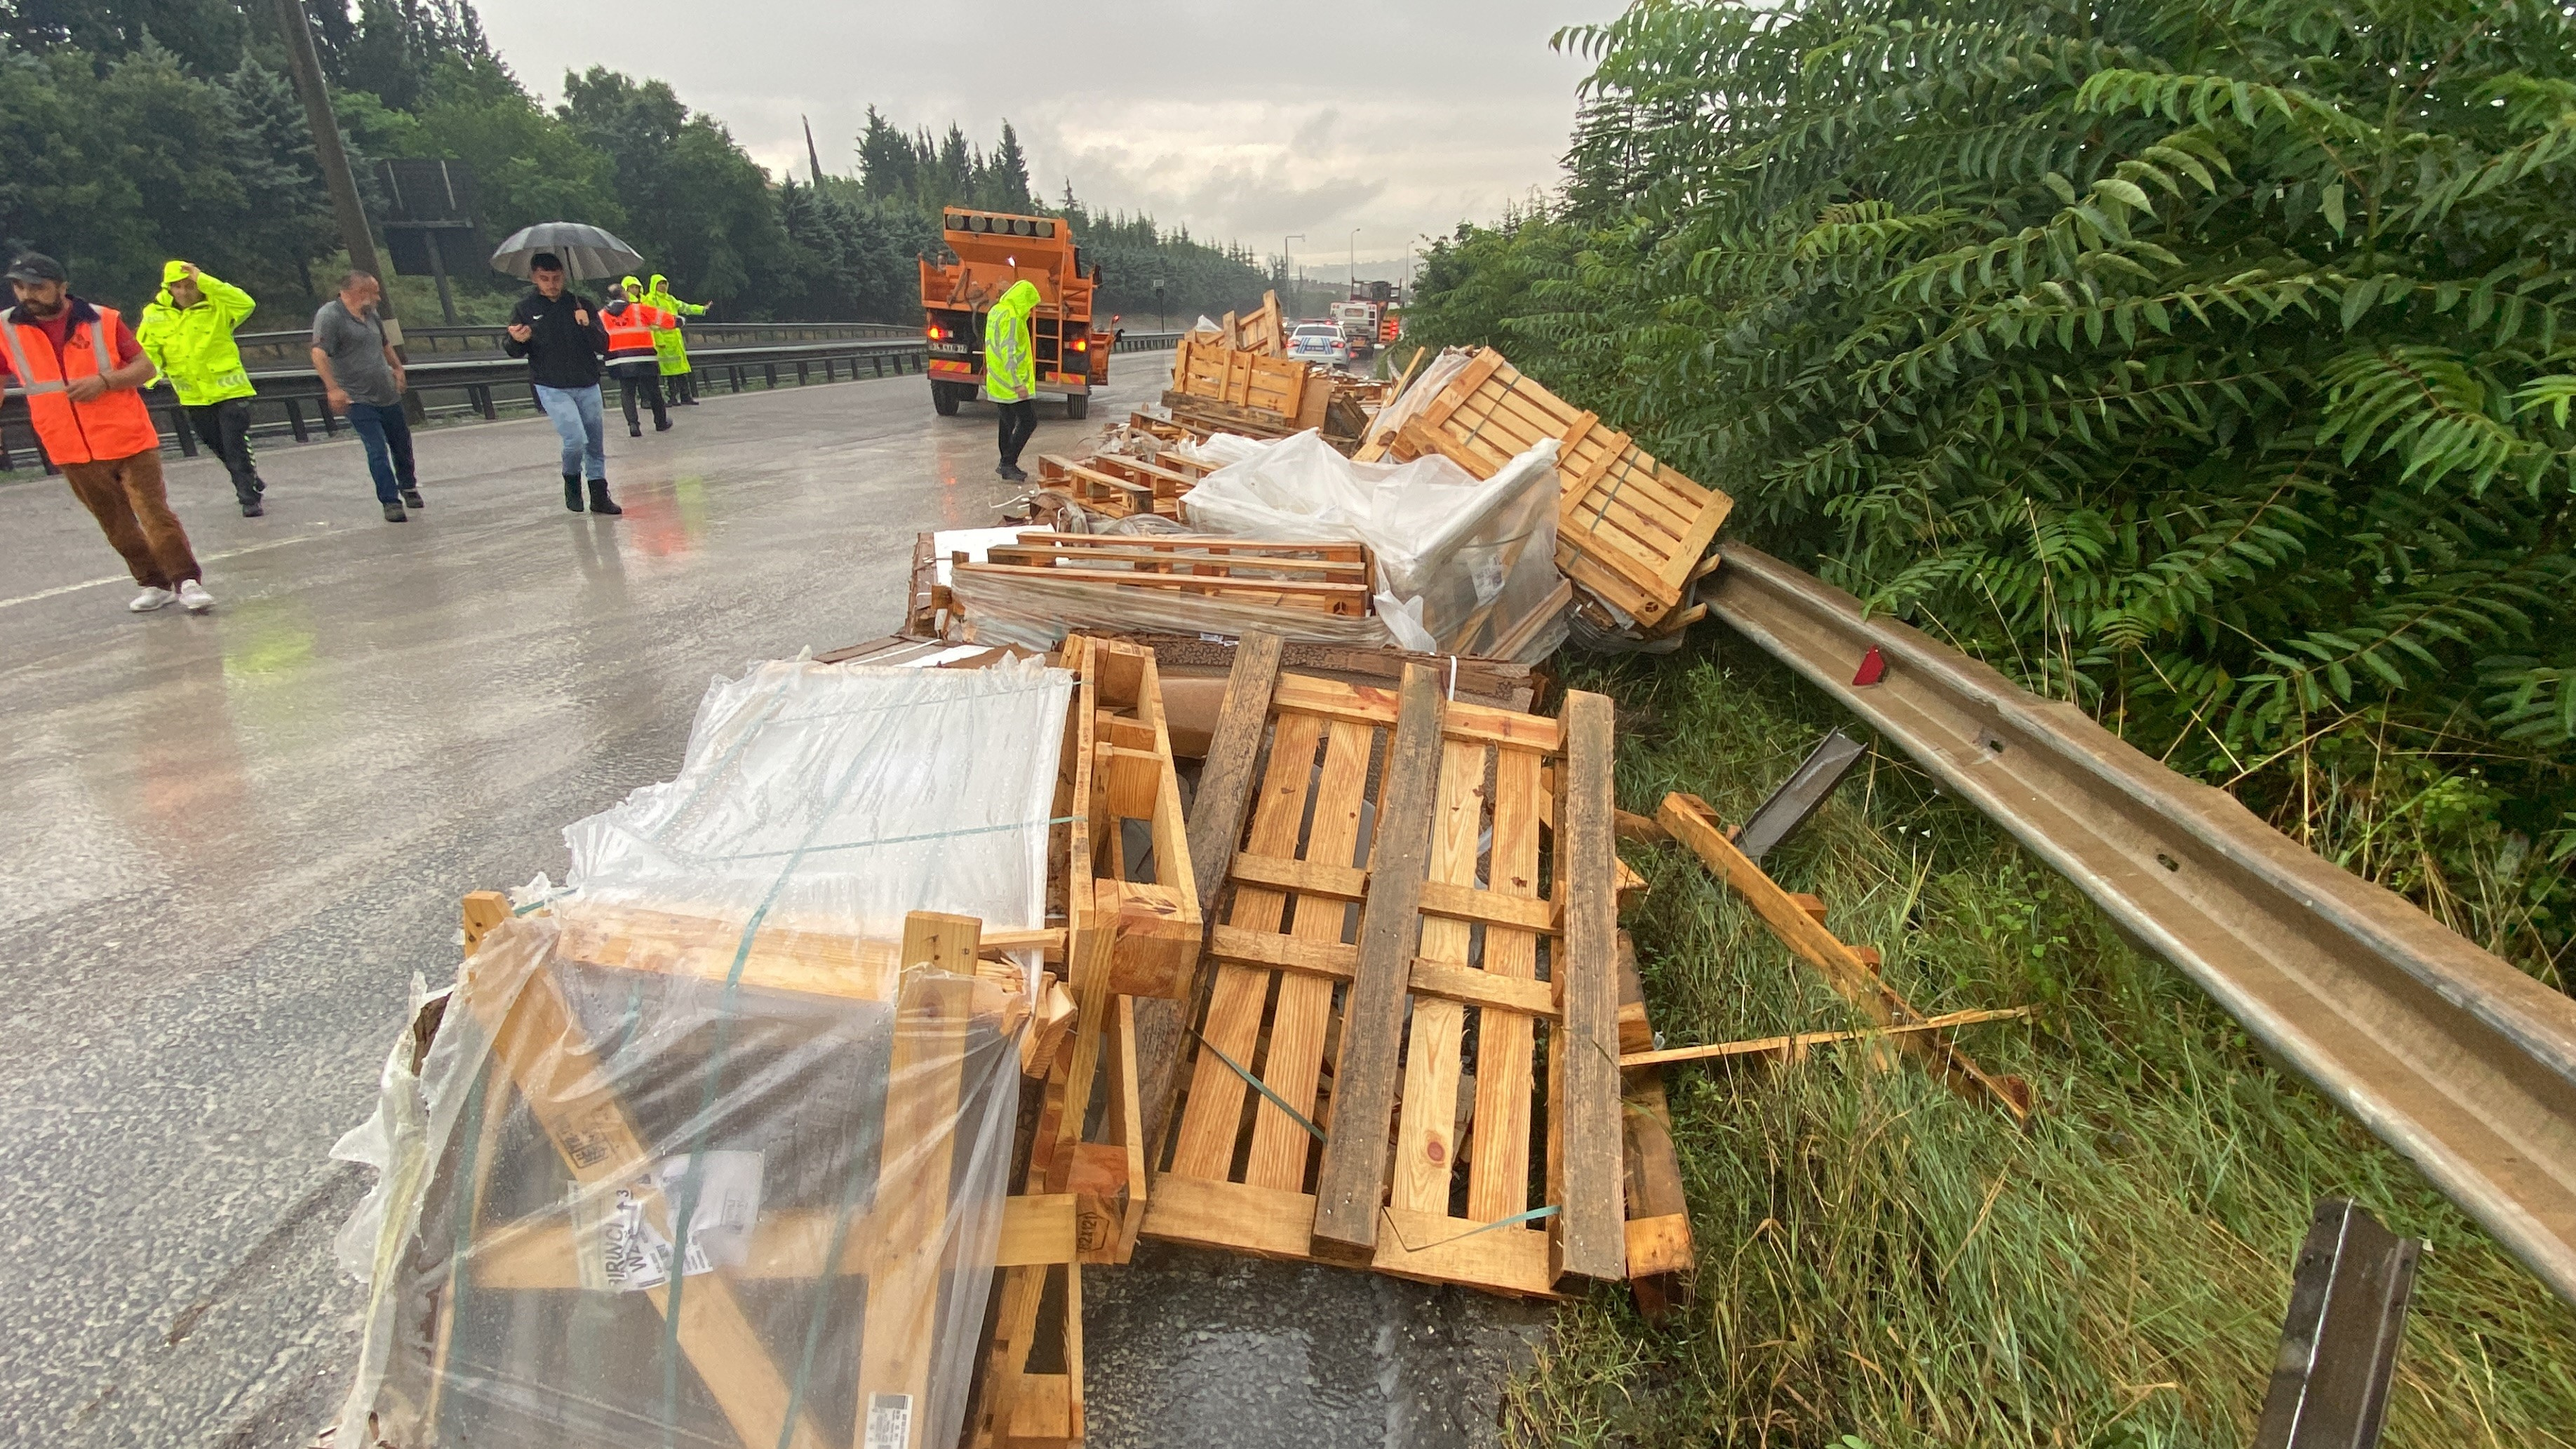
(1259, 394)
(1633, 533)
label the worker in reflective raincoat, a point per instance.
(1011, 372)
(670, 347)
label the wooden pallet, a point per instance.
(1630, 529)
(1206, 370)
(1350, 1150)
(1324, 576)
(1114, 485)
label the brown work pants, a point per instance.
(132, 506)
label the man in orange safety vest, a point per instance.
(83, 375)
(632, 357)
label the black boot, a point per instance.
(599, 500)
(572, 491)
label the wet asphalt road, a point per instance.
(229, 842)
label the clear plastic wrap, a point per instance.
(1460, 562)
(706, 1152)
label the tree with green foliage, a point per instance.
(2209, 367)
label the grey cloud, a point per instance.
(1238, 119)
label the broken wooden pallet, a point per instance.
(1660, 1255)
(1392, 857)
(1630, 530)
(1260, 330)
(1852, 971)
(1321, 576)
(1114, 485)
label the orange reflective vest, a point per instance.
(631, 326)
(113, 425)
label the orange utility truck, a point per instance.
(993, 250)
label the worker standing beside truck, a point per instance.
(1011, 372)
(672, 347)
(187, 331)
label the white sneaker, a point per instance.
(151, 599)
(194, 598)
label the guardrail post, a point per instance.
(733, 375)
(295, 418)
(800, 372)
(770, 371)
(179, 428)
(2348, 1296)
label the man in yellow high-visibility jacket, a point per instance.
(670, 348)
(187, 331)
(1011, 372)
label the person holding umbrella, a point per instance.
(559, 333)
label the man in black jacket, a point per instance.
(561, 336)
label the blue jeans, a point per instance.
(387, 435)
(575, 412)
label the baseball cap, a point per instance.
(37, 267)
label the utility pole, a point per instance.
(352, 216)
(1287, 258)
(1355, 263)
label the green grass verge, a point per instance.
(1883, 1264)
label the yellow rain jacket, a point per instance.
(670, 347)
(1010, 349)
(193, 346)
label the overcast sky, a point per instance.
(1244, 120)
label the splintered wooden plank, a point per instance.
(1660, 1253)
(1349, 1184)
(924, 1085)
(1589, 1233)
(1498, 1177)
(1426, 1154)
(556, 1069)
(1216, 820)
(1694, 824)
(1204, 1147)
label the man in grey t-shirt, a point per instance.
(364, 382)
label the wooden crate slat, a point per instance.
(1584, 1170)
(1426, 1152)
(1204, 1147)
(1350, 1182)
(1498, 1172)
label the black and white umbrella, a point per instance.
(586, 251)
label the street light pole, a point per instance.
(343, 183)
(1296, 303)
(1355, 261)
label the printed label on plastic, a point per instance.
(620, 1241)
(889, 1421)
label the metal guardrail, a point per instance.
(2463, 1064)
(289, 401)
(426, 344)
